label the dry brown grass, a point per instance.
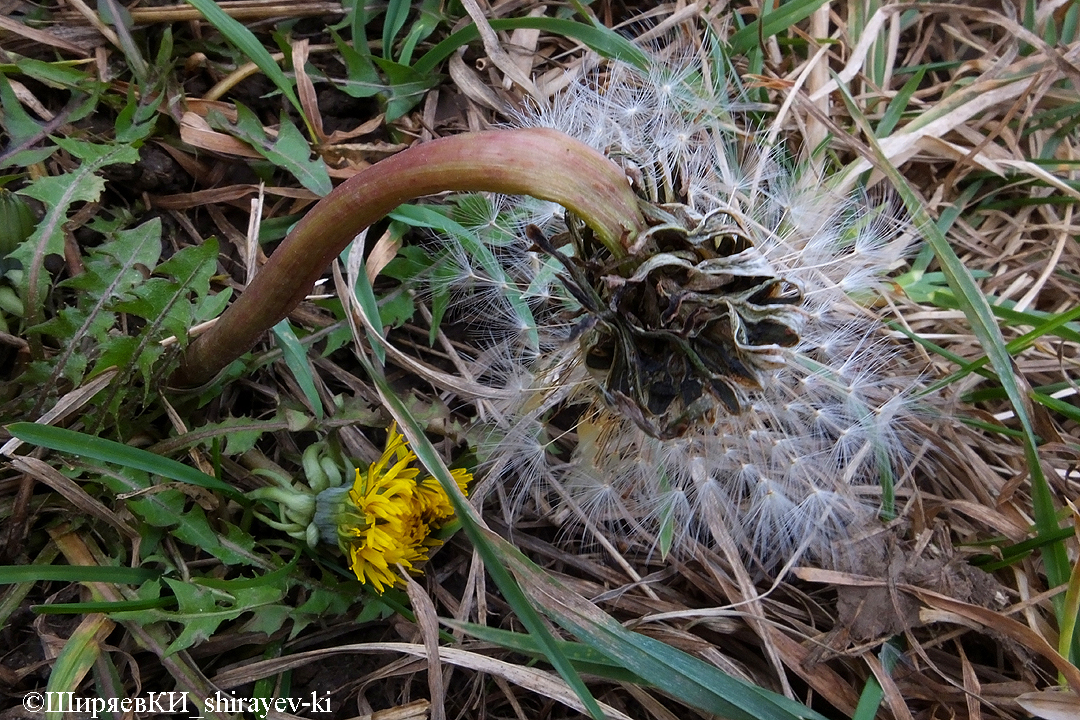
(973, 143)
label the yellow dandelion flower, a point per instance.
(435, 505)
(385, 519)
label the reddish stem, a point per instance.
(543, 163)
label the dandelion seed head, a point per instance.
(816, 418)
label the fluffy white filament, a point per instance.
(787, 475)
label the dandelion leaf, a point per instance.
(328, 602)
(202, 609)
(58, 193)
(233, 547)
(289, 151)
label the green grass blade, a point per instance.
(295, 356)
(10, 574)
(1013, 553)
(585, 658)
(872, 694)
(365, 295)
(677, 673)
(103, 607)
(992, 428)
(1017, 345)
(925, 292)
(774, 22)
(869, 700)
(603, 41)
(245, 40)
(397, 12)
(97, 448)
(898, 104)
(431, 16)
(12, 598)
(1067, 409)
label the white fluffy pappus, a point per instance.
(796, 470)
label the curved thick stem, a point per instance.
(543, 163)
